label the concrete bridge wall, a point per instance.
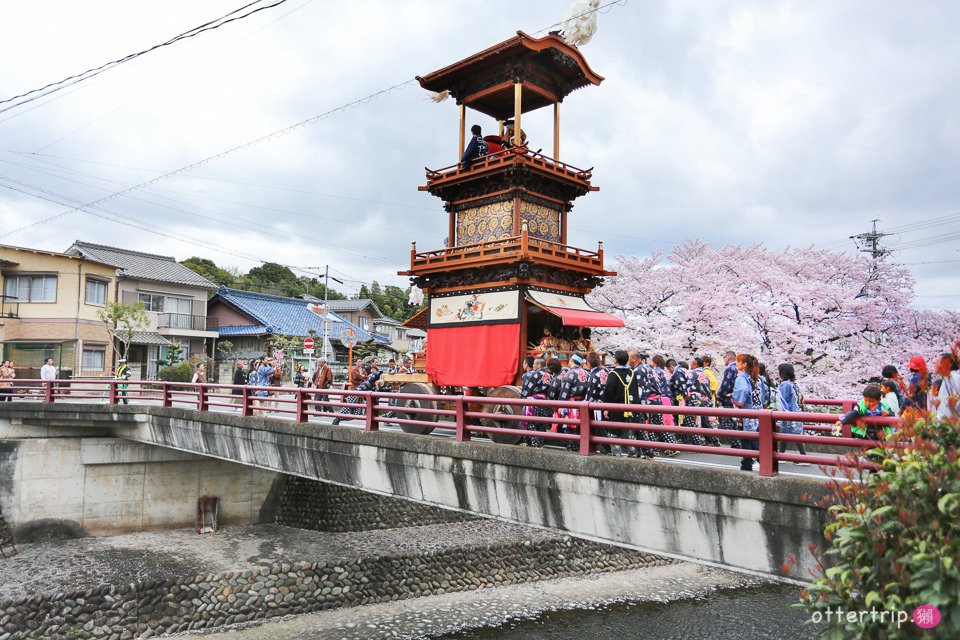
(708, 515)
(56, 484)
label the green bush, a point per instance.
(182, 372)
(895, 539)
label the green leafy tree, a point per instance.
(209, 270)
(225, 349)
(174, 354)
(127, 318)
(182, 372)
(391, 300)
(895, 538)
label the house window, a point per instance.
(96, 292)
(152, 302)
(364, 323)
(93, 359)
(400, 334)
(31, 288)
(179, 312)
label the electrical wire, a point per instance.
(89, 206)
(59, 85)
(270, 136)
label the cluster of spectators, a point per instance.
(744, 383)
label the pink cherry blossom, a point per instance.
(835, 317)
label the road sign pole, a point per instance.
(350, 358)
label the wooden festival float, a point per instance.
(507, 272)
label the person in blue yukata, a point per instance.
(749, 392)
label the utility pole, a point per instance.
(326, 311)
(869, 243)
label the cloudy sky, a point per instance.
(786, 123)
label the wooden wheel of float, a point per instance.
(506, 391)
(407, 407)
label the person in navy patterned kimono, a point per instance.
(535, 384)
(369, 384)
(725, 394)
(699, 395)
(681, 384)
(573, 388)
(658, 390)
(596, 382)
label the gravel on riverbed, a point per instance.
(50, 567)
(431, 616)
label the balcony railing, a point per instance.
(186, 321)
(516, 248)
(513, 156)
(9, 307)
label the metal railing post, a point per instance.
(48, 391)
(203, 404)
(768, 464)
(113, 391)
(586, 447)
(847, 429)
(369, 408)
(301, 407)
(167, 398)
(247, 408)
(463, 435)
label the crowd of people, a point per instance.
(635, 378)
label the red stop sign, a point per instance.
(308, 343)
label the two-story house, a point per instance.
(251, 320)
(49, 310)
(365, 313)
(174, 296)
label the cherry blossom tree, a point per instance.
(837, 318)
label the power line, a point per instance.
(222, 154)
(275, 134)
(59, 85)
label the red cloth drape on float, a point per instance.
(474, 355)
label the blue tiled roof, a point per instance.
(244, 330)
(285, 316)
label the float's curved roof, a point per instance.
(549, 68)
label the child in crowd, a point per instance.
(871, 405)
(890, 396)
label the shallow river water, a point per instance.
(750, 612)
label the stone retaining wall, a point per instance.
(142, 610)
(320, 506)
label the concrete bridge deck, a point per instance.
(707, 514)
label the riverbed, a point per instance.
(676, 601)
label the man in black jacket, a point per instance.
(239, 378)
(475, 149)
(622, 388)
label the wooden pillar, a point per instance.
(500, 128)
(463, 130)
(516, 215)
(563, 225)
(517, 109)
(452, 230)
(556, 130)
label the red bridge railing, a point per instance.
(465, 418)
